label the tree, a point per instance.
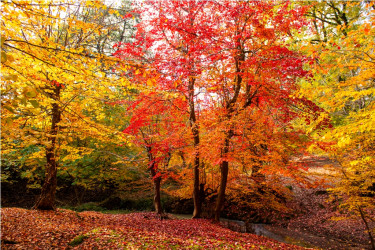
(343, 84)
(156, 128)
(171, 40)
(255, 69)
(327, 15)
(223, 58)
(54, 97)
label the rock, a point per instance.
(234, 225)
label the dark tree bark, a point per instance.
(372, 241)
(195, 131)
(157, 201)
(224, 169)
(46, 200)
(224, 165)
(156, 181)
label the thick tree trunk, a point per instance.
(224, 169)
(224, 166)
(195, 131)
(156, 180)
(46, 200)
(157, 202)
(196, 192)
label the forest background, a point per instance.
(200, 107)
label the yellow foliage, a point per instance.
(49, 62)
(343, 84)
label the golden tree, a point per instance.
(54, 84)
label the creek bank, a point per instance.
(307, 239)
(293, 236)
(254, 228)
(286, 235)
(264, 230)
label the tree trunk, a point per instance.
(156, 180)
(46, 200)
(157, 202)
(230, 107)
(196, 192)
(195, 131)
(223, 185)
(372, 241)
(224, 168)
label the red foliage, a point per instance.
(31, 229)
(219, 61)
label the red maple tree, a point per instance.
(223, 59)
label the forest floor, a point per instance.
(312, 227)
(316, 224)
(66, 229)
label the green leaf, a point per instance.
(31, 93)
(9, 121)
(3, 57)
(34, 103)
(9, 108)
(77, 240)
(2, 41)
(23, 101)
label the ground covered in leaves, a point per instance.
(315, 222)
(322, 218)
(66, 229)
